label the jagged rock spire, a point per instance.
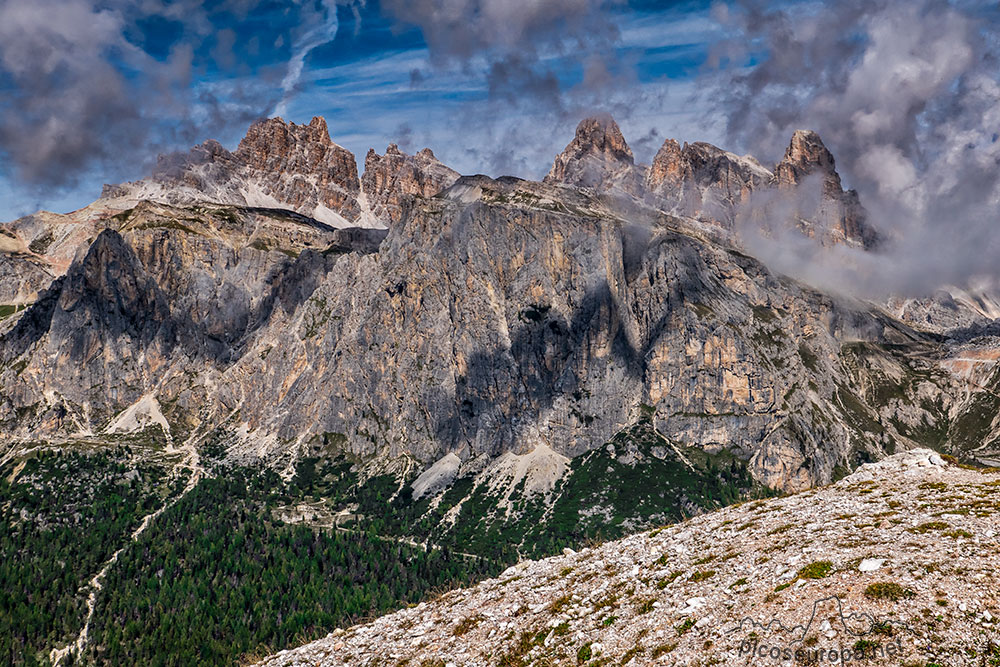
(392, 178)
(597, 157)
(806, 155)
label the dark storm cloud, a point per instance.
(104, 85)
(906, 95)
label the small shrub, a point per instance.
(645, 606)
(465, 625)
(559, 604)
(662, 650)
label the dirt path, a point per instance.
(76, 647)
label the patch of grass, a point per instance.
(781, 529)
(815, 570)
(685, 626)
(702, 575)
(927, 527)
(937, 486)
(888, 590)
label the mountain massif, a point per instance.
(499, 367)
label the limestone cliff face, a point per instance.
(499, 317)
(162, 303)
(392, 179)
(493, 319)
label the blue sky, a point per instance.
(506, 103)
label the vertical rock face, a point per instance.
(301, 166)
(808, 164)
(392, 178)
(597, 157)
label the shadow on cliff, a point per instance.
(504, 392)
(109, 299)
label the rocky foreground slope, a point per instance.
(895, 564)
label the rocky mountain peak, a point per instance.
(702, 180)
(668, 165)
(291, 156)
(275, 134)
(597, 157)
(839, 213)
(391, 179)
(601, 134)
(806, 154)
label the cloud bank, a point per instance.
(907, 97)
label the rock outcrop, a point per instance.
(391, 179)
(705, 183)
(851, 570)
